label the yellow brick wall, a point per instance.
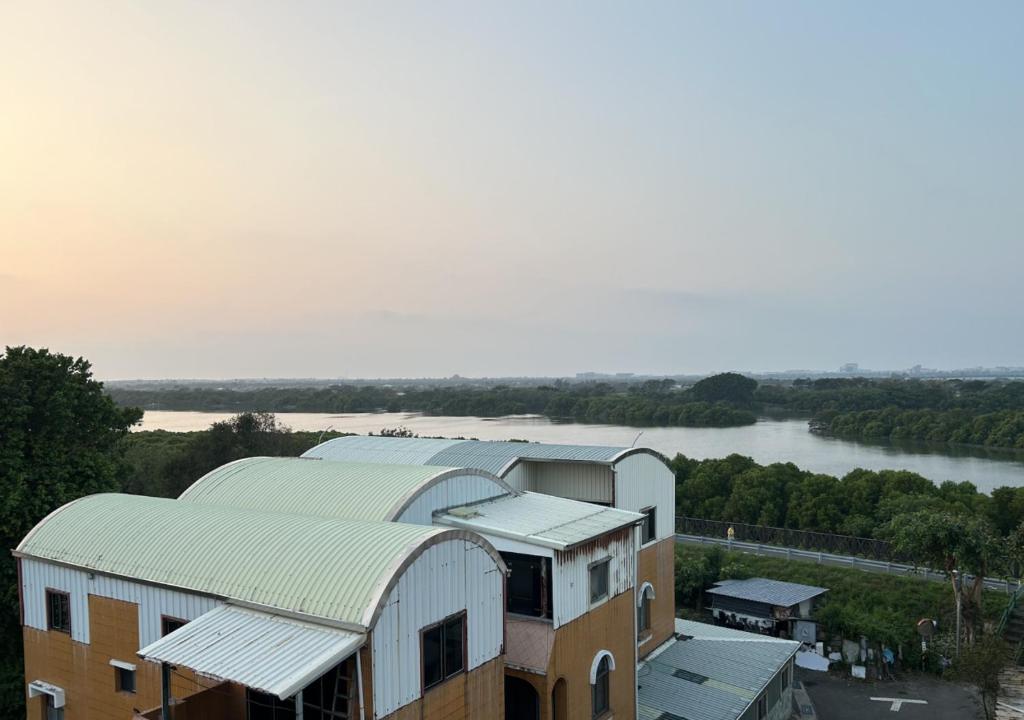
(480, 693)
(85, 673)
(656, 565)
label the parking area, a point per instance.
(922, 698)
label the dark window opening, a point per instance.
(261, 706)
(648, 528)
(51, 712)
(762, 708)
(124, 680)
(330, 696)
(785, 677)
(601, 700)
(170, 624)
(643, 615)
(58, 611)
(599, 580)
(444, 650)
(529, 585)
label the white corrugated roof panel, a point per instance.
(491, 455)
(265, 652)
(539, 519)
(764, 590)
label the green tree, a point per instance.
(954, 544)
(725, 387)
(981, 665)
(59, 440)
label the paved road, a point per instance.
(836, 698)
(879, 566)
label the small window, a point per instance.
(124, 680)
(648, 529)
(784, 677)
(444, 650)
(762, 708)
(599, 580)
(58, 611)
(643, 615)
(52, 713)
(170, 624)
(600, 690)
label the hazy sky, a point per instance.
(329, 189)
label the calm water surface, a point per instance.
(767, 441)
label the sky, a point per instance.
(398, 189)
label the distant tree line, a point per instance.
(719, 401)
(957, 412)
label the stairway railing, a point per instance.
(1011, 605)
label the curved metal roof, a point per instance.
(337, 570)
(496, 457)
(350, 490)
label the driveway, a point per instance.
(837, 698)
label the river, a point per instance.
(767, 441)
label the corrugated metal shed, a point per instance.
(713, 675)
(539, 519)
(492, 456)
(262, 651)
(771, 592)
(351, 490)
(333, 569)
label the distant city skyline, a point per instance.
(248, 189)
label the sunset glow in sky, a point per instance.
(236, 189)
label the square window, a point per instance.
(599, 580)
(444, 650)
(124, 680)
(58, 611)
(648, 528)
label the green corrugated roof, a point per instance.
(333, 569)
(358, 491)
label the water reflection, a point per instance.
(768, 441)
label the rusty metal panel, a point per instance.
(571, 569)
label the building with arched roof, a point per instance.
(572, 565)
(129, 602)
(634, 479)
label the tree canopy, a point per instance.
(59, 440)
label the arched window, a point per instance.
(643, 609)
(603, 664)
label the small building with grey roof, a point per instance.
(766, 605)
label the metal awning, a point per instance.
(270, 653)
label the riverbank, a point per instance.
(767, 441)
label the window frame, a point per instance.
(605, 679)
(53, 593)
(650, 520)
(784, 679)
(443, 645)
(762, 707)
(606, 562)
(164, 619)
(119, 684)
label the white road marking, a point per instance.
(898, 702)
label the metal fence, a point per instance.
(786, 537)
